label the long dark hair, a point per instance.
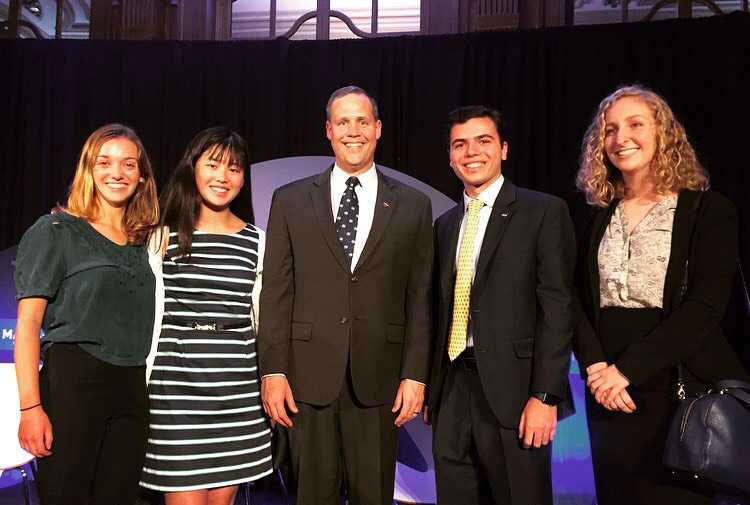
(180, 201)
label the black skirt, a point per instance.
(627, 449)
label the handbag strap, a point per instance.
(744, 288)
(681, 394)
(738, 389)
(733, 384)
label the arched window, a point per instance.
(323, 19)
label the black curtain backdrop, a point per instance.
(547, 83)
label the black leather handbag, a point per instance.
(709, 438)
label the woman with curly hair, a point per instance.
(655, 225)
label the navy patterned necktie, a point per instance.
(346, 219)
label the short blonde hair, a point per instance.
(142, 211)
(674, 165)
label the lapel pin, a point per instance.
(504, 214)
(386, 204)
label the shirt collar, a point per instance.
(489, 195)
(368, 179)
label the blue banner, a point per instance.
(7, 304)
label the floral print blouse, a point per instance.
(632, 267)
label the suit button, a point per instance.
(344, 320)
(354, 278)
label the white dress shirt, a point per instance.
(488, 197)
(367, 193)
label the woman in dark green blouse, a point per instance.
(82, 276)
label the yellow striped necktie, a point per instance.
(464, 276)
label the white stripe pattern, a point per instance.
(201, 441)
(198, 246)
(203, 384)
(186, 301)
(208, 455)
(204, 290)
(203, 370)
(213, 256)
(228, 267)
(194, 355)
(207, 427)
(206, 314)
(204, 426)
(244, 329)
(206, 470)
(188, 341)
(203, 398)
(204, 412)
(207, 278)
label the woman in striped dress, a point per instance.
(207, 429)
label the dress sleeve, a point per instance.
(40, 264)
(258, 276)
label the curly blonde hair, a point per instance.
(674, 165)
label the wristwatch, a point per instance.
(546, 398)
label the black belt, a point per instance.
(217, 327)
(467, 360)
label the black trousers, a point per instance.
(344, 445)
(99, 416)
(477, 461)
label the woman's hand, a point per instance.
(598, 375)
(35, 432)
(595, 367)
(606, 384)
(622, 402)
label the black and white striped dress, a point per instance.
(207, 427)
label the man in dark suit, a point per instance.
(504, 289)
(344, 335)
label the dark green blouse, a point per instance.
(100, 294)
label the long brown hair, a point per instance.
(142, 211)
(675, 166)
(180, 199)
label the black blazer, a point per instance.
(690, 331)
(522, 301)
(316, 316)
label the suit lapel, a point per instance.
(682, 228)
(385, 205)
(502, 212)
(448, 246)
(320, 194)
(599, 226)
